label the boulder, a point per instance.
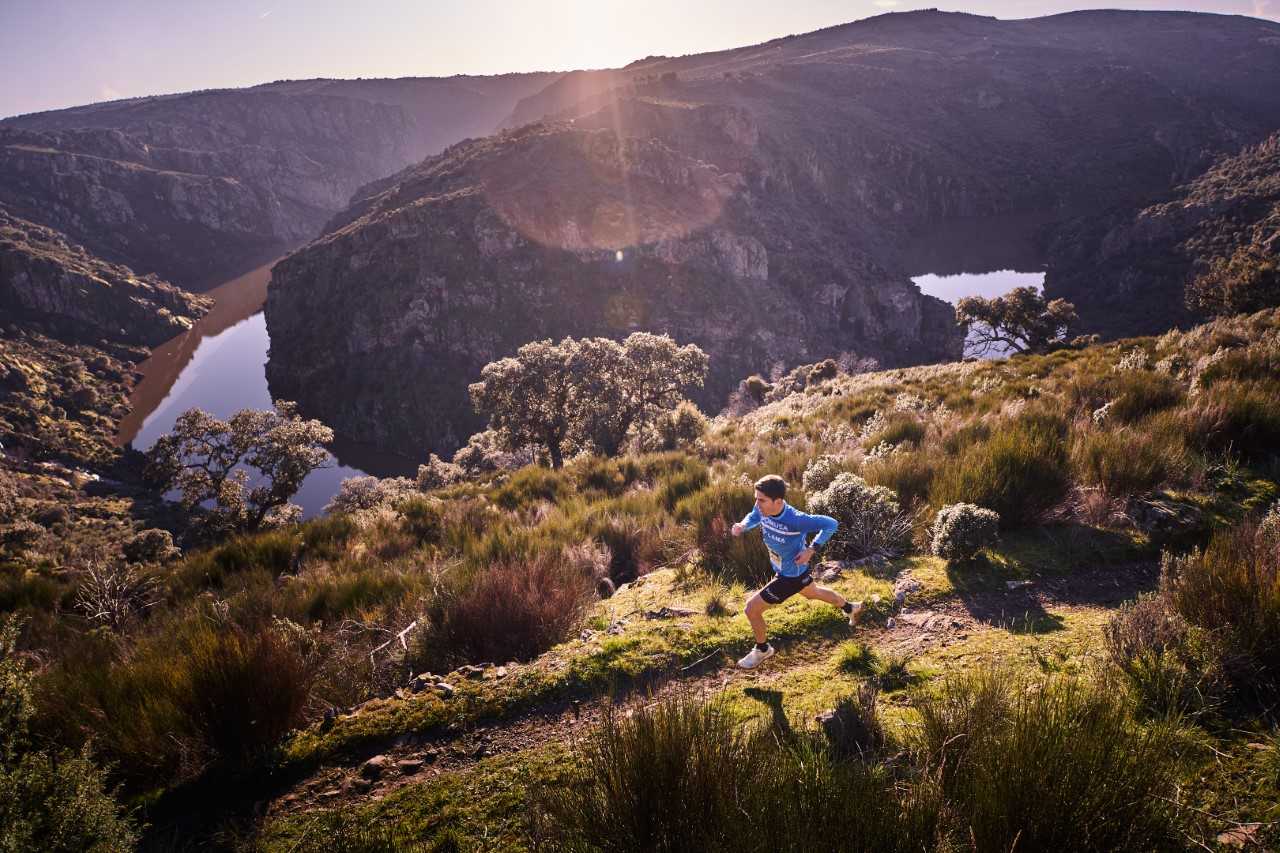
(1163, 519)
(375, 767)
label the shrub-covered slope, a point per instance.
(47, 280)
(74, 329)
(457, 636)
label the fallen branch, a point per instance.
(701, 660)
(399, 637)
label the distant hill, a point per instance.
(763, 199)
(200, 185)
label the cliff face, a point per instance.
(760, 198)
(1127, 271)
(195, 187)
(74, 329)
(44, 279)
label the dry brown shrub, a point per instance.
(1232, 588)
(1095, 507)
(512, 610)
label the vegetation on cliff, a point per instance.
(1248, 280)
(1205, 248)
(74, 329)
(47, 280)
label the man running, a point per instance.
(785, 529)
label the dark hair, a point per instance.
(772, 486)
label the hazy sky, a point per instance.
(58, 53)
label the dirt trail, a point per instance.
(561, 721)
(915, 630)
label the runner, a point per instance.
(785, 529)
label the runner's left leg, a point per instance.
(822, 593)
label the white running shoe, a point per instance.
(755, 657)
(855, 614)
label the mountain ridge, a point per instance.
(827, 152)
(266, 166)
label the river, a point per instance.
(219, 365)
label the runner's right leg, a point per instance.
(762, 651)
(756, 606)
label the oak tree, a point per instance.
(1021, 321)
(593, 393)
(207, 459)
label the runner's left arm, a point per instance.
(824, 525)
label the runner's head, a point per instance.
(771, 490)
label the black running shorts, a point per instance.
(780, 589)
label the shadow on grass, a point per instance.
(772, 699)
(1075, 563)
(982, 585)
(1064, 549)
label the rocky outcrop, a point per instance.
(74, 328)
(754, 201)
(1127, 271)
(49, 281)
(196, 187)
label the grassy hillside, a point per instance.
(457, 637)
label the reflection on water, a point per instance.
(236, 300)
(220, 366)
(953, 288)
(978, 257)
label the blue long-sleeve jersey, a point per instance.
(785, 535)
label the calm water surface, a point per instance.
(220, 366)
(978, 257)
